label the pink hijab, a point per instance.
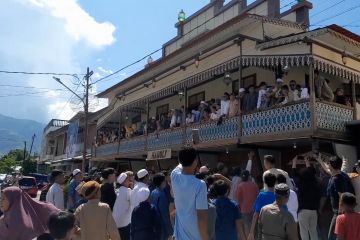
(26, 219)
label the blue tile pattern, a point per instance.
(107, 149)
(132, 145)
(166, 139)
(331, 117)
(278, 120)
(209, 132)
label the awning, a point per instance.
(248, 61)
(88, 156)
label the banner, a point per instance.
(72, 135)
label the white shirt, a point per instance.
(293, 205)
(134, 201)
(261, 93)
(225, 107)
(122, 208)
(55, 196)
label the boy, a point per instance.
(55, 195)
(61, 225)
(348, 224)
(145, 221)
(228, 224)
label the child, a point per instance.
(145, 221)
(229, 224)
(348, 224)
(61, 225)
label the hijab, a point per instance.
(26, 218)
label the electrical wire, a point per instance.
(334, 5)
(40, 73)
(30, 87)
(339, 14)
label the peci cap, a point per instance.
(279, 80)
(241, 90)
(143, 194)
(282, 189)
(76, 172)
(142, 173)
(122, 177)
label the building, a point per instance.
(63, 143)
(222, 48)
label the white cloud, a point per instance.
(39, 35)
(78, 23)
(105, 70)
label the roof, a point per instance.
(206, 35)
(291, 38)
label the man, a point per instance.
(348, 224)
(323, 90)
(108, 194)
(250, 99)
(338, 184)
(234, 106)
(55, 195)
(275, 221)
(225, 105)
(293, 93)
(293, 203)
(73, 194)
(61, 225)
(142, 180)
(263, 199)
(269, 164)
(190, 196)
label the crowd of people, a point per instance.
(190, 203)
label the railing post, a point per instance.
(353, 91)
(312, 97)
(239, 43)
(184, 117)
(119, 141)
(147, 125)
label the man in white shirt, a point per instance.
(55, 195)
(269, 164)
(141, 182)
(225, 104)
(293, 203)
(122, 208)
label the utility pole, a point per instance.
(24, 150)
(86, 111)
(32, 144)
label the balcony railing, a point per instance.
(288, 121)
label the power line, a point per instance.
(336, 15)
(40, 73)
(328, 8)
(29, 87)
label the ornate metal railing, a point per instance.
(288, 119)
(165, 139)
(333, 117)
(133, 144)
(285, 119)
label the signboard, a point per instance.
(159, 154)
(72, 139)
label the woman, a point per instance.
(24, 218)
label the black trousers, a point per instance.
(124, 232)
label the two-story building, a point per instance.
(225, 48)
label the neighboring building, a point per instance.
(63, 143)
(214, 48)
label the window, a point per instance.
(163, 109)
(245, 83)
(194, 100)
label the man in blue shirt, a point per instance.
(159, 199)
(73, 194)
(263, 199)
(190, 196)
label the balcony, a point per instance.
(290, 121)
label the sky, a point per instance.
(67, 36)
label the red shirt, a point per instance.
(246, 196)
(348, 226)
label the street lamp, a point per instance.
(86, 108)
(181, 95)
(227, 79)
(344, 57)
(181, 16)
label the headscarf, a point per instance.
(90, 189)
(26, 218)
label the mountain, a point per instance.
(13, 133)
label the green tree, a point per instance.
(17, 154)
(7, 165)
(28, 166)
